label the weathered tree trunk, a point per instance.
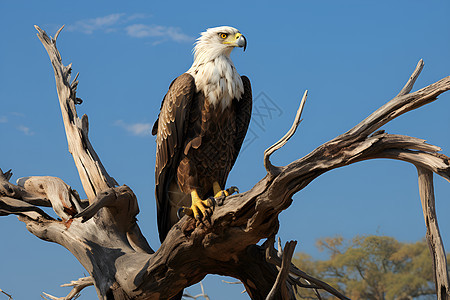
(103, 235)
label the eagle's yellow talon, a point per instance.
(188, 211)
(184, 211)
(195, 212)
(218, 192)
(232, 190)
(207, 215)
(221, 193)
(211, 202)
(200, 208)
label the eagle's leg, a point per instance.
(218, 192)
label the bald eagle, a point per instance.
(200, 129)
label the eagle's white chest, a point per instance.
(218, 80)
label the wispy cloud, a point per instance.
(166, 32)
(138, 16)
(128, 23)
(17, 114)
(138, 129)
(105, 23)
(26, 130)
(14, 120)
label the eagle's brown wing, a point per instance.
(170, 128)
(243, 114)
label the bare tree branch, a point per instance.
(433, 235)
(399, 105)
(78, 286)
(65, 201)
(296, 274)
(12, 206)
(203, 294)
(280, 282)
(412, 79)
(271, 169)
(5, 293)
(92, 173)
(10, 190)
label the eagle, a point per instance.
(200, 129)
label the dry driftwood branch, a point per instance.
(280, 282)
(9, 190)
(78, 286)
(295, 274)
(64, 201)
(434, 239)
(271, 169)
(410, 83)
(203, 294)
(109, 244)
(92, 173)
(6, 294)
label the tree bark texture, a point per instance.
(102, 233)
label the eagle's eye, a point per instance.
(223, 35)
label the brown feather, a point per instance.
(243, 115)
(171, 127)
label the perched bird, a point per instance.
(200, 129)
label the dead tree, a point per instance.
(102, 233)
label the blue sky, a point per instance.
(352, 56)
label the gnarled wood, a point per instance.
(107, 241)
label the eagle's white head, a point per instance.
(213, 69)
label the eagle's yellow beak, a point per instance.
(240, 40)
(237, 41)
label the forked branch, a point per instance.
(296, 276)
(280, 282)
(77, 287)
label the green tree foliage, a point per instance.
(372, 267)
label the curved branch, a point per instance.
(271, 169)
